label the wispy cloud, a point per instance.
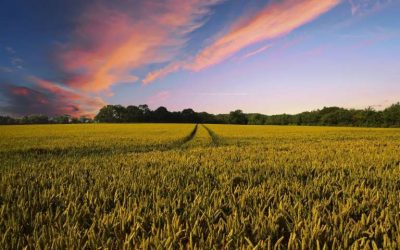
(83, 104)
(362, 7)
(274, 20)
(257, 51)
(104, 51)
(160, 73)
(109, 42)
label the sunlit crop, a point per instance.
(163, 186)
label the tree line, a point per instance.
(335, 116)
(328, 116)
(43, 119)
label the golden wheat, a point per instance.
(162, 186)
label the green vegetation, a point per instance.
(328, 116)
(165, 186)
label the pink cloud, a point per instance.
(109, 42)
(20, 91)
(104, 51)
(68, 101)
(275, 20)
(170, 68)
(25, 101)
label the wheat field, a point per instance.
(186, 186)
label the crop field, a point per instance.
(186, 186)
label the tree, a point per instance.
(134, 114)
(146, 112)
(84, 119)
(325, 116)
(237, 117)
(189, 116)
(309, 118)
(62, 119)
(161, 115)
(336, 116)
(35, 119)
(106, 114)
(391, 115)
(256, 119)
(371, 117)
(204, 117)
(75, 120)
(120, 113)
(6, 120)
(112, 113)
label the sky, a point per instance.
(261, 56)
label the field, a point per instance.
(163, 186)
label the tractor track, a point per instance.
(180, 144)
(216, 140)
(189, 137)
(86, 151)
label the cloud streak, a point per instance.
(362, 7)
(273, 21)
(154, 75)
(255, 52)
(104, 51)
(114, 42)
(108, 43)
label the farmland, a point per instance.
(199, 187)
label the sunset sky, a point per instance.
(282, 56)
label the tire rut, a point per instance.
(85, 151)
(216, 140)
(189, 137)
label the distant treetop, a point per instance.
(327, 116)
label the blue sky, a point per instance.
(212, 55)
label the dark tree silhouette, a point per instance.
(329, 116)
(237, 117)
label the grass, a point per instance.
(206, 187)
